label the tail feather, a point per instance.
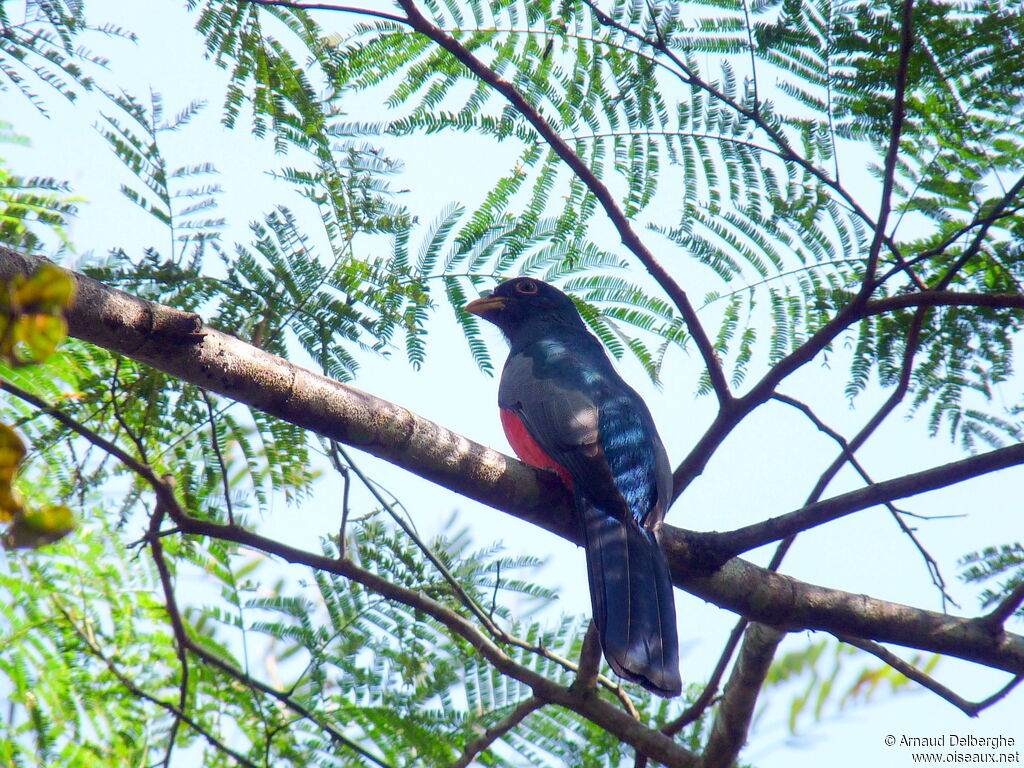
(633, 602)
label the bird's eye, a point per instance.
(527, 287)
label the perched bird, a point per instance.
(564, 408)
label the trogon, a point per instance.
(564, 408)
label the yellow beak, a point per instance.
(485, 306)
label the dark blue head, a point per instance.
(524, 302)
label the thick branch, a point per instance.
(175, 343)
(707, 696)
(736, 710)
(780, 600)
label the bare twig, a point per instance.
(589, 178)
(707, 696)
(876, 420)
(215, 441)
(1001, 693)
(897, 514)
(495, 732)
(346, 487)
(119, 417)
(332, 7)
(749, 537)
(892, 153)
(970, 708)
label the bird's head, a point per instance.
(522, 301)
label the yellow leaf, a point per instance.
(50, 289)
(32, 314)
(36, 528)
(35, 337)
(12, 451)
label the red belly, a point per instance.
(526, 447)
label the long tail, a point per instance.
(631, 593)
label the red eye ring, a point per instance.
(526, 287)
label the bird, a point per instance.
(564, 408)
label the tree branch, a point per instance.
(892, 153)
(585, 703)
(332, 7)
(707, 696)
(944, 299)
(736, 709)
(495, 732)
(749, 537)
(996, 620)
(727, 418)
(175, 343)
(970, 708)
(783, 601)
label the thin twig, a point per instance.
(118, 416)
(707, 696)
(594, 184)
(1001, 693)
(932, 565)
(899, 113)
(225, 481)
(346, 483)
(497, 731)
(970, 708)
(332, 7)
(850, 448)
(178, 713)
